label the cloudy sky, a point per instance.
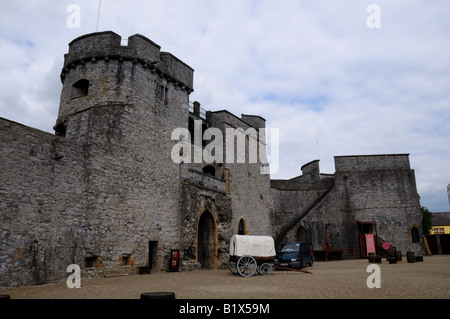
(314, 69)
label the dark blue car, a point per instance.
(294, 254)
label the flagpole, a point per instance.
(317, 146)
(98, 14)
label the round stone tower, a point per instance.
(119, 105)
(98, 71)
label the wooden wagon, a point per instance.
(249, 254)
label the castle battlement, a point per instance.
(100, 72)
(140, 50)
(371, 162)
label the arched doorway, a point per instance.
(414, 234)
(301, 234)
(207, 241)
(242, 227)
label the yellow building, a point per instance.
(440, 223)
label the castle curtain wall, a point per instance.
(42, 205)
(104, 192)
(382, 188)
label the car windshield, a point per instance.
(289, 248)
(290, 255)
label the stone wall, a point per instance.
(124, 124)
(197, 203)
(249, 189)
(42, 233)
(292, 197)
(383, 189)
(99, 195)
(104, 192)
(379, 188)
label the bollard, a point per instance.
(158, 295)
(410, 257)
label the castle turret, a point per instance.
(98, 71)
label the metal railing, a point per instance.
(389, 249)
(200, 113)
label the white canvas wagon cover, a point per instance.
(260, 246)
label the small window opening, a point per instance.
(209, 170)
(79, 89)
(125, 260)
(91, 261)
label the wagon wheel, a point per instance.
(232, 267)
(265, 269)
(246, 266)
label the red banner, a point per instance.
(370, 244)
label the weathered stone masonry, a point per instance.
(375, 188)
(104, 193)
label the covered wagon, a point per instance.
(249, 254)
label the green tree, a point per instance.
(427, 216)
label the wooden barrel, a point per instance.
(410, 257)
(158, 295)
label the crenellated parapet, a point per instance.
(99, 72)
(107, 46)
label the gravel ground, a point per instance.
(342, 279)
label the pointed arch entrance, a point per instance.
(301, 234)
(242, 227)
(207, 241)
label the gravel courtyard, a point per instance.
(429, 279)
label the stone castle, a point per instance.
(104, 193)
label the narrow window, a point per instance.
(415, 235)
(164, 94)
(79, 89)
(241, 227)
